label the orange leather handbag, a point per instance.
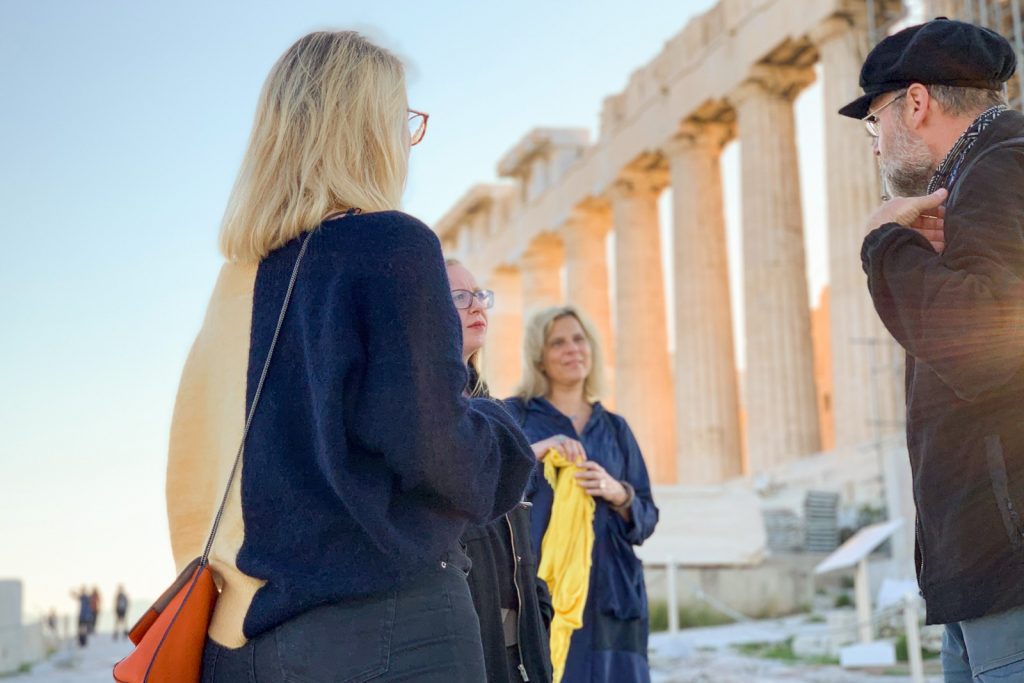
(170, 637)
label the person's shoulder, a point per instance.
(381, 231)
(516, 402)
(997, 162)
(397, 222)
(516, 407)
(1010, 124)
(607, 413)
(524, 405)
(1004, 144)
(383, 243)
(617, 422)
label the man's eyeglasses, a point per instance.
(417, 126)
(871, 120)
(463, 298)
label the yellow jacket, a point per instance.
(565, 554)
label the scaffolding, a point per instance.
(1003, 16)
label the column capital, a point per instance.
(852, 15)
(587, 220)
(836, 26)
(544, 247)
(769, 80)
(505, 270)
(708, 135)
(632, 183)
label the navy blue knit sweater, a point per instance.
(364, 461)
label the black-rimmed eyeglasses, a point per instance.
(463, 298)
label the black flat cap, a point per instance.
(940, 52)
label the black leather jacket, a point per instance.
(535, 609)
(960, 317)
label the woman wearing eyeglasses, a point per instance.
(338, 551)
(512, 604)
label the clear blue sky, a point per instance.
(121, 128)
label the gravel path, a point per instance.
(693, 656)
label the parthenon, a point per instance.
(539, 238)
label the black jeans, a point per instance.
(426, 631)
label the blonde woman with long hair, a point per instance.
(337, 553)
(559, 402)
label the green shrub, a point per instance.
(689, 616)
(782, 651)
(903, 653)
(23, 669)
(843, 600)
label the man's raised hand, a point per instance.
(909, 212)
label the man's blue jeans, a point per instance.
(985, 650)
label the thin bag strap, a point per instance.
(255, 400)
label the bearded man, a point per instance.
(945, 267)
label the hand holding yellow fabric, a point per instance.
(565, 554)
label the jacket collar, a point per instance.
(541, 405)
(949, 169)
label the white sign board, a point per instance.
(878, 653)
(859, 546)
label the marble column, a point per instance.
(782, 416)
(706, 392)
(643, 389)
(586, 278)
(947, 8)
(541, 267)
(867, 388)
(503, 356)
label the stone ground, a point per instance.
(92, 664)
(725, 666)
(708, 655)
(702, 655)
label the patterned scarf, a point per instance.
(949, 169)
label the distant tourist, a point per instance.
(559, 407)
(339, 554)
(513, 605)
(94, 603)
(86, 615)
(949, 285)
(121, 613)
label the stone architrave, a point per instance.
(867, 388)
(541, 267)
(503, 354)
(586, 277)
(643, 379)
(782, 416)
(706, 393)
